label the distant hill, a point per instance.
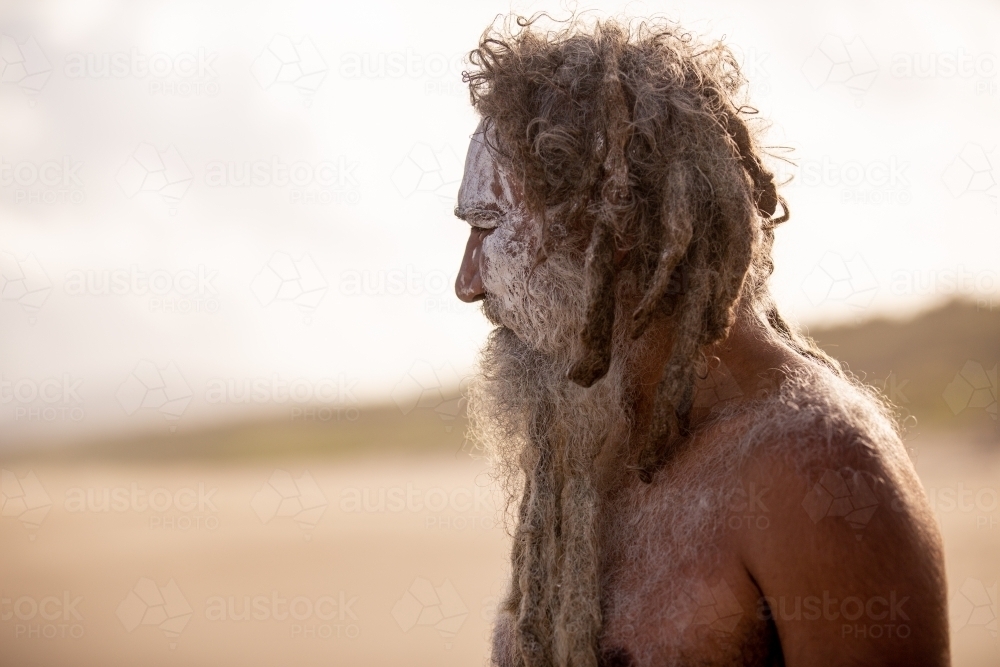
(940, 367)
(376, 430)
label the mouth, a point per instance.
(491, 309)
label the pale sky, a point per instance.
(264, 191)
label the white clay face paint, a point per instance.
(477, 194)
(548, 315)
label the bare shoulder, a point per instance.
(832, 441)
(850, 529)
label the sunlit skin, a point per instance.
(899, 557)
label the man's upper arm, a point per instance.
(850, 566)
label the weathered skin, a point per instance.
(724, 591)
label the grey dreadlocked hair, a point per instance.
(628, 137)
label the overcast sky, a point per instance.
(196, 198)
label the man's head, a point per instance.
(613, 182)
(614, 190)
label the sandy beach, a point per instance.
(369, 561)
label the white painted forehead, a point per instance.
(485, 185)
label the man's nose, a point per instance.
(469, 283)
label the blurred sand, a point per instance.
(452, 555)
(367, 559)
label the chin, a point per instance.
(535, 336)
(491, 310)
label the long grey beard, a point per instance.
(543, 434)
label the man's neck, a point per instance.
(748, 361)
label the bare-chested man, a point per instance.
(692, 481)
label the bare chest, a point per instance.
(673, 587)
(702, 612)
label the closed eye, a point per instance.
(487, 226)
(478, 218)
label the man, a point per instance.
(693, 482)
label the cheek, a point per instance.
(502, 259)
(490, 255)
